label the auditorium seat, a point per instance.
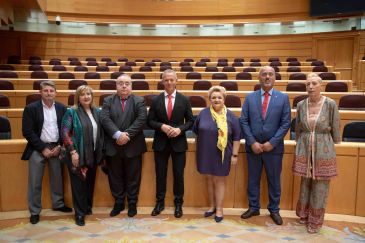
(145, 69)
(75, 83)
(163, 68)
(238, 59)
(277, 76)
(363, 58)
(6, 85)
(297, 76)
(106, 59)
(92, 63)
(107, 84)
(327, 76)
(219, 76)
(205, 60)
(102, 69)
(39, 74)
(32, 98)
(193, 75)
(138, 76)
(165, 64)
(148, 99)
(222, 60)
(188, 60)
(122, 59)
(66, 75)
(336, 87)
(160, 85)
(200, 64)
(140, 85)
(111, 63)
(292, 129)
(222, 64)
(317, 63)
(92, 75)
(255, 64)
(257, 87)
(35, 68)
(249, 70)
(72, 59)
(237, 64)
(182, 64)
(102, 97)
(293, 70)
(352, 102)
(294, 63)
(75, 63)
(255, 60)
(296, 87)
(13, 59)
(211, 69)
(90, 59)
(6, 67)
(320, 69)
(130, 63)
(35, 62)
(292, 59)
(71, 100)
(81, 69)
(125, 68)
(229, 85)
(276, 68)
(197, 101)
(354, 132)
(275, 64)
(115, 75)
(150, 64)
(59, 68)
(5, 128)
(202, 85)
(297, 99)
(4, 102)
(243, 76)
(37, 84)
(228, 69)
(186, 69)
(273, 59)
(233, 101)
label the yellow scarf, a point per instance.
(221, 120)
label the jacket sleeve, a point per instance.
(335, 123)
(152, 119)
(28, 129)
(107, 123)
(245, 123)
(188, 117)
(141, 119)
(284, 123)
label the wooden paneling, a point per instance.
(360, 197)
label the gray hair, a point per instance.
(217, 88)
(47, 83)
(314, 76)
(168, 71)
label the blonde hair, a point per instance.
(81, 89)
(217, 88)
(315, 76)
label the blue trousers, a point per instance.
(272, 164)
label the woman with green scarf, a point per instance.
(218, 140)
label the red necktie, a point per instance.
(264, 104)
(169, 107)
(123, 104)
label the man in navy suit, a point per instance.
(41, 126)
(265, 120)
(170, 115)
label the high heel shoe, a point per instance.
(208, 213)
(218, 219)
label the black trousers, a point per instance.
(82, 190)
(178, 166)
(124, 177)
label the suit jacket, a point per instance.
(181, 117)
(32, 124)
(131, 120)
(275, 125)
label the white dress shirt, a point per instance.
(50, 128)
(173, 96)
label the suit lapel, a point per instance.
(118, 107)
(271, 103)
(174, 109)
(163, 106)
(258, 102)
(40, 112)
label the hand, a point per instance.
(56, 151)
(47, 153)
(123, 139)
(257, 148)
(75, 159)
(234, 160)
(174, 132)
(166, 128)
(267, 147)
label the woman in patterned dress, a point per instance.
(317, 130)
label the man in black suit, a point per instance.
(41, 126)
(123, 117)
(170, 115)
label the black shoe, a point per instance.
(118, 207)
(80, 220)
(276, 218)
(158, 209)
(63, 209)
(209, 213)
(132, 210)
(178, 211)
(249, 213)
(89, 212)
(34, 219)
(218, 219)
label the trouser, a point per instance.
(124, 177)
(312, 201)
(37, 162)
(178, 166)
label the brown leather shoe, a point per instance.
(276, 218)
(249, 213)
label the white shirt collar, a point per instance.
(173, 94)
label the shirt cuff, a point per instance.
(117, 135)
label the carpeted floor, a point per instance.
(165, 228)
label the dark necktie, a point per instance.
(123, 103)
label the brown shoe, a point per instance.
(249, 213)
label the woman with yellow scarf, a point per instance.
(218, 140)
